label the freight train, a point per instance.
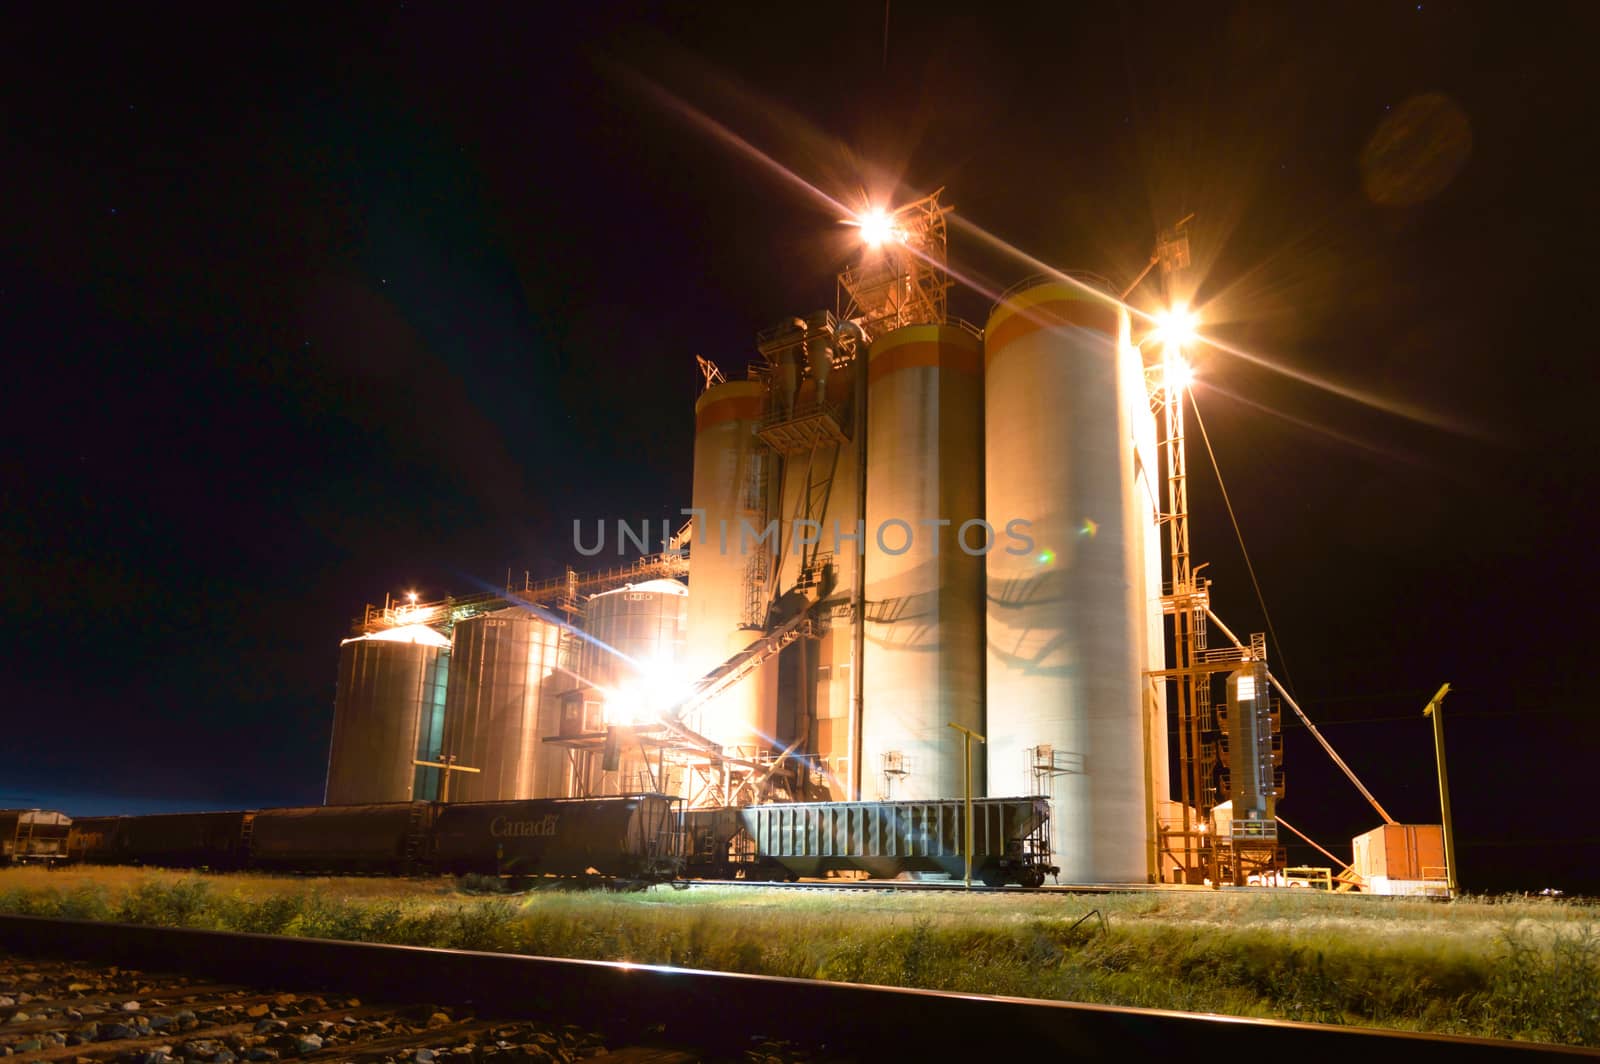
(639, 838)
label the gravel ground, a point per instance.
(58, 1010)
(62, 1011)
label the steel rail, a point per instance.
(717, 1012)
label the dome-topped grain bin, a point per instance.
(388, 712)
(505, 674)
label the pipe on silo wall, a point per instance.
(923, 655)
(858, 583)
(1065, 618)
(1144, 519)
(729, 492)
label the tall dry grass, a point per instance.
(1511, 968)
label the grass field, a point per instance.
(1522, 968)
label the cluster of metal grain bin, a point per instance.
(484, 697)
(1004, 533)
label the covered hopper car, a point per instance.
(163, 840)
(89, 838)
(387, 837)
(33, 835)
(878, 839)
(627, 837)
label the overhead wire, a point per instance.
(1261, 599)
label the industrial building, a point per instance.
(904, 529)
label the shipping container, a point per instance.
(1401, 852)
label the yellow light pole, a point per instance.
(448, 765)
(1436, 711)
(968, 735)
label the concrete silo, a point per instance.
(923, 658)
(1065, 607)
(505, 680)
(388, 712)
(730, 478)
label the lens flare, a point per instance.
(1176, 326)
(720, 133)
(877, 227)
(1179, 374)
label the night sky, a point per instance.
(303, 306)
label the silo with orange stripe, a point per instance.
(922, 666)
(1065, 591)
(730, 481)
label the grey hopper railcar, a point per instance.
(885, 839)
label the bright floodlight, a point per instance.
(412, 595)
(1176, 327)
(1179, 373)
(624, 705)
(877, 227)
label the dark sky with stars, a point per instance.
(303, 305)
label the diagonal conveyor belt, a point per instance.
(739, 666)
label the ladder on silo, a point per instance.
(758, 567)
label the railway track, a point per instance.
(937, 885)
(423, 1005)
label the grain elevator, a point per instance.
(903, 528)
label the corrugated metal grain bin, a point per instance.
(33, 835)
(1401, 851)
(341, 838)
(884, 839)
(179, 840)
(388, 713)
(630, 836)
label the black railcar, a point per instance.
(633, 837)
(173, 840)
(90, 839)
(389, 837)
